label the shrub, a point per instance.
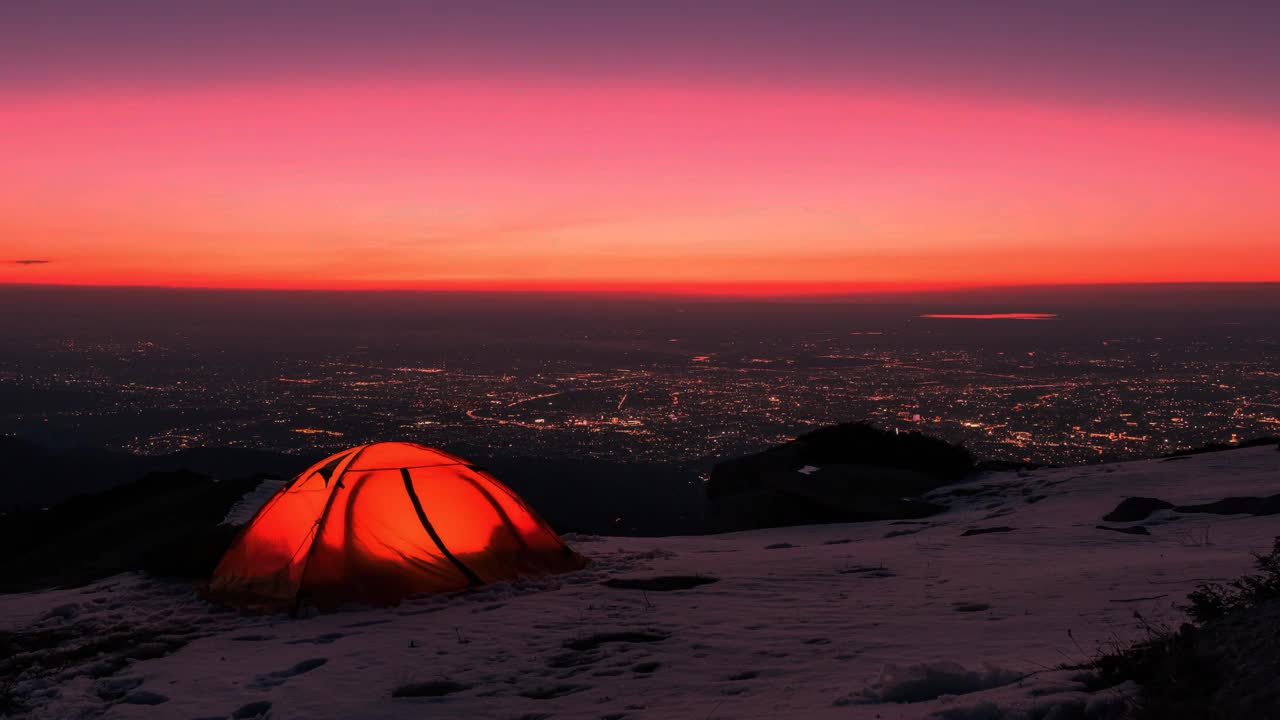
(1212, 601)
(1212, 668)
(1175, 678)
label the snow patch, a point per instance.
(249, 503)
(843, 623)
(928, 681)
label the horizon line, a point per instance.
(780, 291)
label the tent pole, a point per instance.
(324, 515)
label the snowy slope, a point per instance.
(244, 510)
(833, 621)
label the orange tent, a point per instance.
(376, 523)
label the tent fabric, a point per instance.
(379, 522)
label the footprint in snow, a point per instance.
(594, 641)
(574, 659)
(870, 571)
(142, 697)
(434, 688)
(113, 689)
(324, 639)
(279, 677)
(552, 692)
(249, 711)
(365, 623)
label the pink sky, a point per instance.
(458, 179)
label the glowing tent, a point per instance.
(376, 523)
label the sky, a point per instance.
(736, 147)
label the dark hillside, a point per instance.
(848, 444)
(167, 522)
(40, 476)
(841, 473)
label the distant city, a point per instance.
(1029, 389)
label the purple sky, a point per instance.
(1223, 54)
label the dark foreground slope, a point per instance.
(1220, 666)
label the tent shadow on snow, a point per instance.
(377, 523)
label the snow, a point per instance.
(248, 505)
(867, 620)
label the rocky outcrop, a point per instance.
(1133, 509)
(1236, 506)
(844, 473)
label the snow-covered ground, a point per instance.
(870, 620)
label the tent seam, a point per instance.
(324, 515)
(472, 579)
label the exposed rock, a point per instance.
(1133, 509)
(1236, 506)
(1140, 508)
(1135, 530)
(844, 473)
(986, 531)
